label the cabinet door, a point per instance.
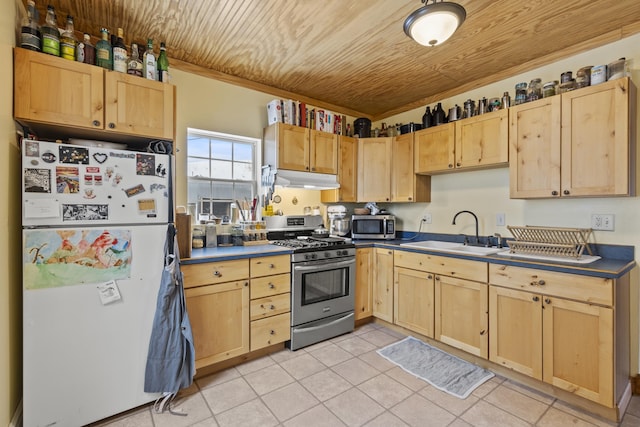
(515, 325)
(374, 169)
(57, 91)
(534, 149)
(483, 140)
(383, 284)
(138, 106)
(293, 147)
(462, 314)
(364, 276)
(323, 151)
(413, 300)
(402, 177)
(598, 139)
(578, 348)
(219, 316)
(435, 149)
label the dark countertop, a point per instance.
(615, 262)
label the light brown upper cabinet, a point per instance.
(302, 149)
(347, 173)
(435, 149)
(578, 144)
(55, 92)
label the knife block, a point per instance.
(183, 227)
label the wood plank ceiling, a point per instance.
(353, 56)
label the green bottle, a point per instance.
(163, 64)
(50, 33)
(104, 54)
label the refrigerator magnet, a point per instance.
(74, 155)
(109, 292)
(134, 190)
(147, 206)
(145, 164)
(37, 181)
(31, 149)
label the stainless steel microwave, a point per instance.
(373, 227)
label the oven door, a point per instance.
(322, 289)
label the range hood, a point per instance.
(308, 180)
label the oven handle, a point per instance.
(313, 265)
(324, 325)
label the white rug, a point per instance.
(440, 369)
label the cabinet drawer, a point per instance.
(454, 267)
(594, 290)
(268, 265)
(270, 285)
(270, 306)
(215, 272)
(269, 331)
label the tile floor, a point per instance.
(344, 382)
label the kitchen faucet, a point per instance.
(474, 217)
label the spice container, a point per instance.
(618, 69)
(534, 91)
(566, 76)
(583, 76)
(567, 86)
(598, 74)
(521, 93)
(549, 89)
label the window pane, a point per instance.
(221, 169)
(197, 167)
(243, 152)
(223, 190)
(197, 190)
(244, 190)
(198, 146)
(243, 171)
(221, 149)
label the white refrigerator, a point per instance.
(94, 227)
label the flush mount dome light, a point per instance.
(434, 23)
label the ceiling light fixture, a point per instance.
(434, 23)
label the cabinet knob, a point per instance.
(429, 277)
(306, 168)
(458, 164)
(541, 282)
(217, 273)
(547, 301)
(536, 299)
(246, 284)
(96, 123)
(272, 266)
(554, 193)
(450, 166)
(272, 332)
(112, 125)
(437, 277)
(565, 192)
(410, 198)
(482, 332)
(271, 286)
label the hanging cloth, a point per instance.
(171, 357)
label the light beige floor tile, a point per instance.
(254, 365)
(398, 335)
(420, 412)
(446, 401)
(251, 414)
(217, 378)
(194, 405)
(557, 418)
(318, 416)
(527, 391)
(353, 407)
(459, 423)
(325, 384)
(583, 415)
(377, 361)
(227, 395)
(331, 355)
(355, 345)
(487, 387)
(317, 346)
(289, 401)
(286, 354)
(634, 406)
(379, 338)
(516, 403)
(387, 419)
(366, 328)
(385, 390)
(268, 379)
(484, 414)
(135, 418)
(407, 379)
(355, 371)
(209, 422)
(302, 366)
(630, 420)
(193, 388)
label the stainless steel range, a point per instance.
(322, 280)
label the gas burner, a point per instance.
(311, 242)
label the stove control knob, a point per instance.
(327, 254)
(314, 256)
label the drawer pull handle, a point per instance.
(271, 286)
(217, 273)
(547, 301)
(429, 277)
(541, 282)
(482, 332)
(272, 332)
(272, 307)
(536, 299)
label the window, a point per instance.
(221, 169)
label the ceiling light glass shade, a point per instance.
(434, 23)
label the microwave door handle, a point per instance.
(315, 265)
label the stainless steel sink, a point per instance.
(452, 247)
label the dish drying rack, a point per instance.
(550, 241)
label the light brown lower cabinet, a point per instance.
(577, 341)
(413, 300)
(364, 283)
(383, 284)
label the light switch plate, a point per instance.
(500, 220)
(605, 222)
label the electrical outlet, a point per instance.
(500, 220)
(426, 218)
(603, 222)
